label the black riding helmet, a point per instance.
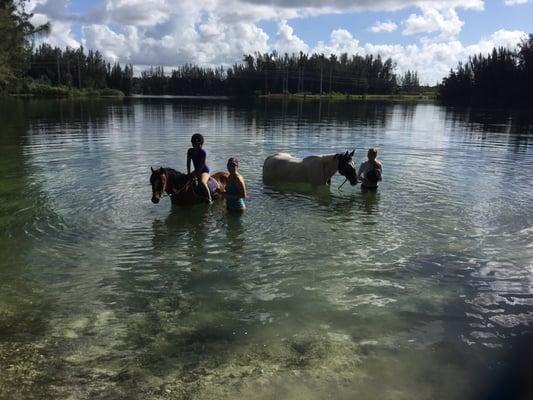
(197, 138)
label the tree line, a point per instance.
(276, 73)
(502, 77)
(74, 68)
(258, 73)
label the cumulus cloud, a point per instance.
(215, 32)
(445, 21)
(387, 26)
(432, 59)
(55, 12)
(287, 41)
(340, 41)
(138, 12)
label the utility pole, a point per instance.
(58, 71)
(321, 65)
(79, 74)
(330, 75)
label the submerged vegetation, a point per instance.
(502, 77)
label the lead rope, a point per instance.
(339, 188)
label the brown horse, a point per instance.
(182, 189)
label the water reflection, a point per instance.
(371, 200)
(489, 123)
(314, 292)
(235, 231)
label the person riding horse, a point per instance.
(201, 171)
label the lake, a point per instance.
(423, 290)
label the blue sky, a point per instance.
(429, 36)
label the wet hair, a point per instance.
(373, 151)
(197, 138)
(233, 161)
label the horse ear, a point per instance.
(346, 154)
(152, 169)
(352, 153)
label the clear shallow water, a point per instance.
(419, 291)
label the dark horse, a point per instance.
(182, 189)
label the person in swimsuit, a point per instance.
(201, 170)
(371, 171)
(235, 187)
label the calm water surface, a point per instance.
(420, 291)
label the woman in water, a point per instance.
(370, 171)
(235, 187)
(198, 157)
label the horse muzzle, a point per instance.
(155, 199)
(354, 181)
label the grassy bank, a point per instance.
(31, 88)
(429, 96)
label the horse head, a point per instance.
(159, 181)
(346, 166)
(169, 181)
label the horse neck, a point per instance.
(331, 165)
(173, 177)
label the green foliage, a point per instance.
(111, 92)
(502, 77)
(16, 33)
(409, 82)
(273, 73)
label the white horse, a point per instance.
(314, 170)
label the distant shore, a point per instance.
(42, 90)
(422, 97)
(38, 90)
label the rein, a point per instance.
(342, 184)
(164, 192)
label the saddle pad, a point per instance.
(212, 184)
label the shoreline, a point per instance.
(431, 97)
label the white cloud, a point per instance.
(138, 12)
(340, 41)
(387, 26)
(432, 59)
(55, 12)
(445, 21)
(287, 41)
(215, 32)
(515, 2)
(366, 5)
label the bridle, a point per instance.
(346, 178)
(164, 181)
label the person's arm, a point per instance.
(242, 188)
(360, 171)
(188, 162)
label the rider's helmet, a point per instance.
(197, 138)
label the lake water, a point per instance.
(419, 291)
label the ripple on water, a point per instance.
(307, 294)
